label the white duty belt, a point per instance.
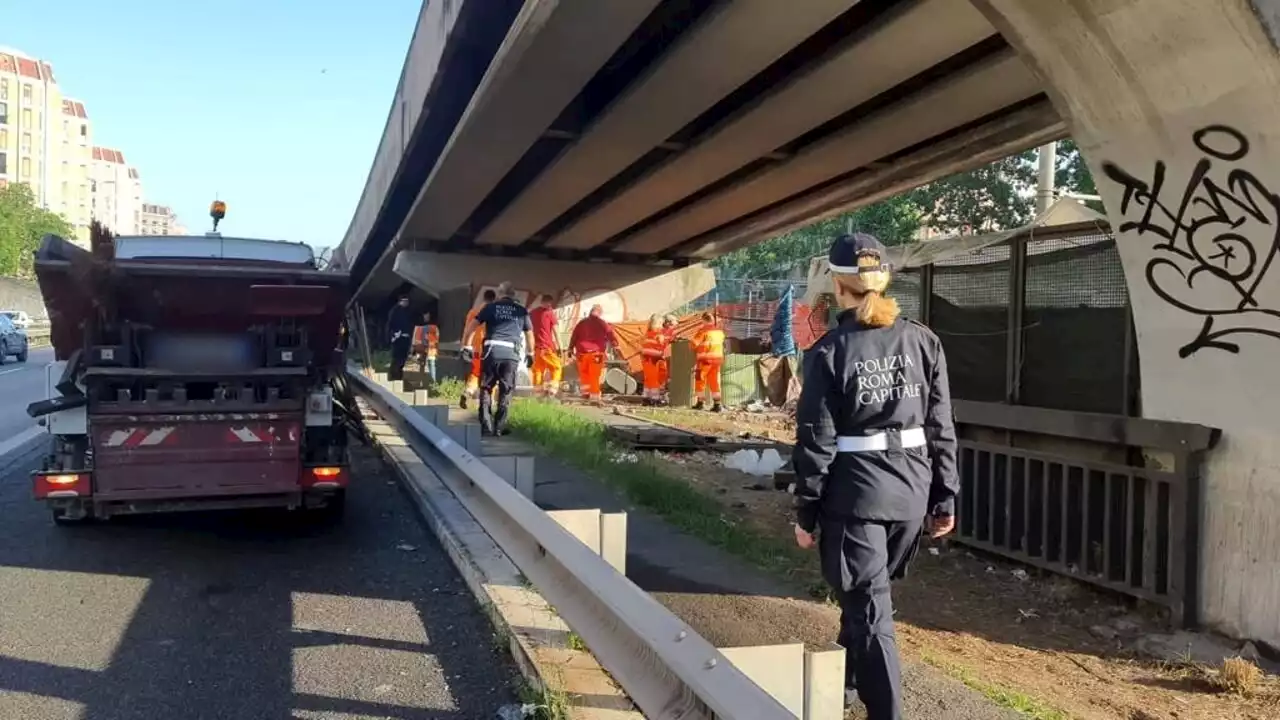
(501, 343)
(910, 438)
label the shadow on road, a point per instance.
(244, 615)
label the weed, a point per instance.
(574, 642)
(549, 703)
(1238, 676)
(1012, 699)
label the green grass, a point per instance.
(582, 442)
(1012, 699)
(549, 703)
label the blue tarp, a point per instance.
(784, 340)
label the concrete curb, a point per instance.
(536, 636)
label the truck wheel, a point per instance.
(22, 356)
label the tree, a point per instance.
(990, 198)
(894, 221)
(22, 226)
(1072, 173)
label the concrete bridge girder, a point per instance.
(1176, 107)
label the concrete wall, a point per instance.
(1176, 105)
(627, 292)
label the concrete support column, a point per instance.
(1176, 106)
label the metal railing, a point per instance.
(667, 669)
(1065, 491)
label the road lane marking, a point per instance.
(14, 370)
(22, 438)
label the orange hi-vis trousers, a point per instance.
(655, 375)
(590, 370)
(547, 370)
(706, 376)
(473, 375)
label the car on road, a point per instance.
(13, 341)
(19, 318)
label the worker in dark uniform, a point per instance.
(506, 326)
(400, 325)
(875, 461)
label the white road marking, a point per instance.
(10, 372)
(22, 438)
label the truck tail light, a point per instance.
(57, 485)
(324, 477)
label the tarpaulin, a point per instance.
(631, 337)
(784, 342)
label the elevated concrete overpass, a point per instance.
(606, 141)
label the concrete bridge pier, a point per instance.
(1176, 106)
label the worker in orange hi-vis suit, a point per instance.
(472, 388)
(653, 360)
(547, 364)
(670, 328)
(708, 344)
(426, 345)
(591, 339)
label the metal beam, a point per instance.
(667, 669)
(726, 49)
(994, 83)
(869, 64)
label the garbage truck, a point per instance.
(190, 373)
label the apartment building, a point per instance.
(115, 192)
(159, 220)
(45, 138)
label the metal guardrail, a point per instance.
(667, 669)
(38, 336)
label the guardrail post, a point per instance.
(824, 683)
(604, 533)
(778, 670)
(517, 470)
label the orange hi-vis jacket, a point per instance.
(655, 344)
(427, 338)
(709, 343)
(477, 340)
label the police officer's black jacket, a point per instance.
(861, 380)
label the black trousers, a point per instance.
(500, 373)
(399, 356)
(859, 559)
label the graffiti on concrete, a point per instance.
(1216, 238)
(571, 305)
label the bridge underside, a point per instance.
(670, 132)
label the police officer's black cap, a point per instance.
(845, 251)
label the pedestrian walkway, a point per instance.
(724, 599)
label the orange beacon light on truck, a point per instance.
(217, 211)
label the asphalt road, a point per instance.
(20, 385)
(238, 616)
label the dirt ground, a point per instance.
(994, 622)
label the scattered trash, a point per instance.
(763, 464)
(1027, 614)
(405, 547)
(517, 712)
(934, 551)
(1103, 632)
(991, 570)
(626, 458)
(755, 407)
(1020, 574)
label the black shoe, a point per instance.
(486, 431)
(462, 401)
(699, 405)
(717, 408)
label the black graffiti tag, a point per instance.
(1215, 241)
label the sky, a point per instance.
(274, 106)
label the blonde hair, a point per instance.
(655, 322)
(865, 292)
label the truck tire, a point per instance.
(22, 356)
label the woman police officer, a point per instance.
(875, 461)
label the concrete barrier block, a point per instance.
(380, 378)
(517, 470)
(465, 434)
(582, 524)
(824, 684)
(437, 415)
(613, 540)
(778, 670)
(396, 386)
(421, 397)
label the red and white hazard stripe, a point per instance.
(138, 437)
(247, 435)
